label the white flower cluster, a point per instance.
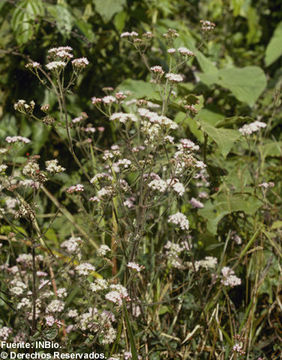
(55, 306)
(157, 119)
(180, 220)
(135, 266)
(14, 139)
(251, 128)
(266, 185)
(23, 107)
(75, 188)
(80, 63)
(84, 269)
(172, 253)
(185, 51)
(57, 50)
(229, 277)
(94, 321)
(18, 287)
(177, 186)
(209, 262)
(5, 333)
(129, 34)
(187, 145)
(175, 78)
(99, 284)
(30, 168)
(123, 117)
(196, 203)
(32, 65)
(54, 65)
(50, 320)
(108, 99)
(64, 53)
(161, 185)
(158, 184)
(118, 294)
(207, 25)
(103, 250)
(62, 293)
(53, 168)
(157, 70)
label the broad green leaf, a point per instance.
(63, 17)
(86, 29)
(274, 47)
(140, 89)
(273, 148)
(108, 8)
(224, 138)
(246, 83)
(210, 117)
(210, 71)
(120, 21)
(224, 204)
(24, 16)
(40, 134)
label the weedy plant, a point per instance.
(133, 279)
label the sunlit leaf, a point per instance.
(274, 47)
(108, 8)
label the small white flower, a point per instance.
(55, 65)
(13, 139)
(84, 268)
(174, 77)
(75, 188)
(229, 277)
(185, 51)
(251, 128)
(103, 250)
(157, 70)
(209, 262)
(179, 219)
(80, 63)
(129, 34)
(53, 167)
(135, 266)
(49, 320)
(55, 306)
(196, 203)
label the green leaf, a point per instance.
(274, 47)
(210, 71)
(273, 148)
(120, 21)
(246, 83)
(24, 15)
(108, 8)
(130, 334)
(50, 334)
(225, 204)
(210, 117)
(40, 133)
(86, 29)
(224, 138)
(63, 17)
(139, 88)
